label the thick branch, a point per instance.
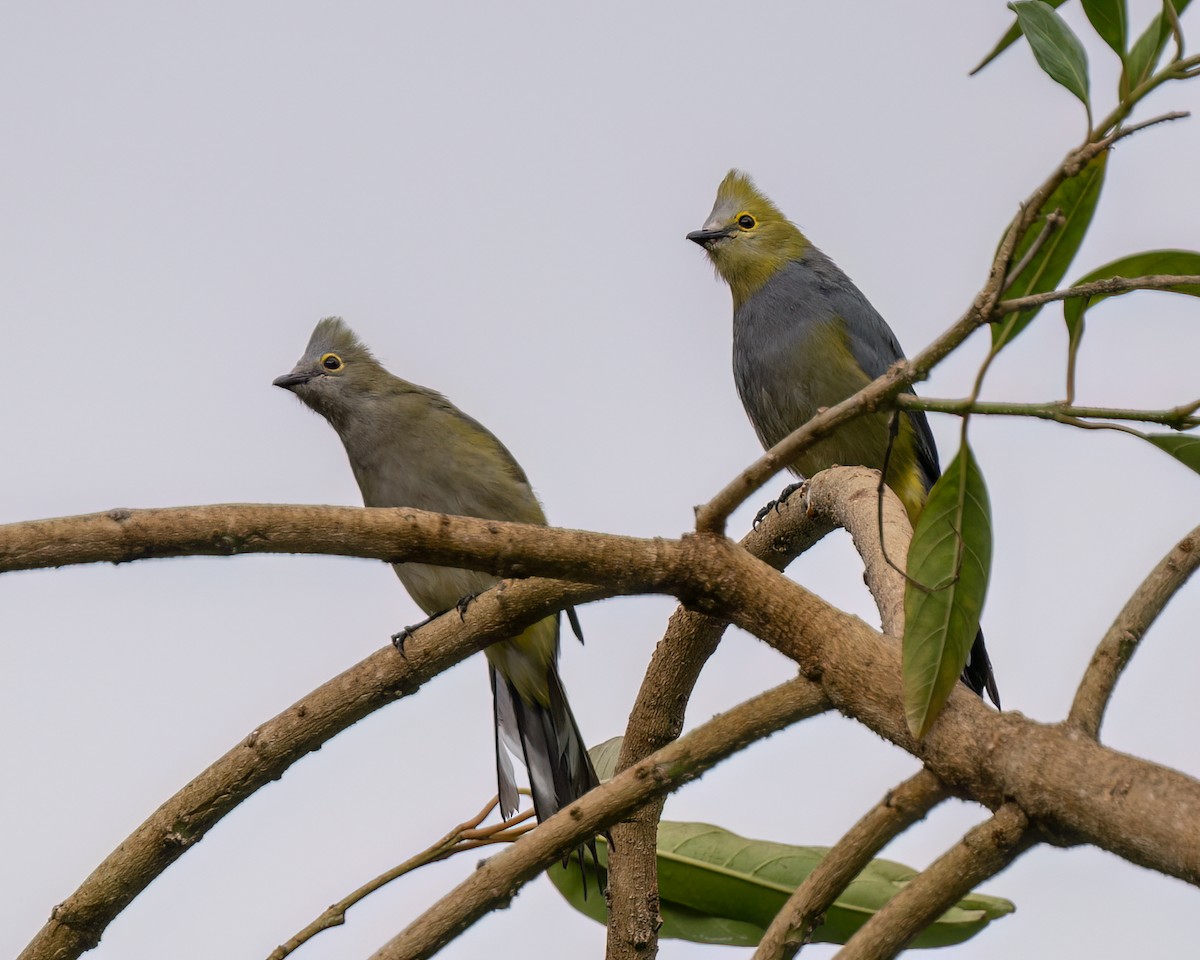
(1074, 789)
(983, 852)
(657, 719)
(77, 924)
(1121, 641)
(805, 909)
(226, 530)
(855, 503)
(841, 497)
(498, 879)
(850, 498)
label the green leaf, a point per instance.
(1107, 18)
(604, 757)
(1076, 197)
(1147, 49)
(1006, 41)
(1164, 262)
(1055, 47)
(718, 887)
(1149, 263)
(948, 565)
(1184, 449)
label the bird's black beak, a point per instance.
(706, 238)
(293, 379)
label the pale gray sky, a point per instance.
(495, 197)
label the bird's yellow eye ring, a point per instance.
(745, 221)
(331, 361)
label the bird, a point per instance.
(805, 338)
(409, 446)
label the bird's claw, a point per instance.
(462, 605)
(402, 635)
(787, 492)
(399, 637)
(762, 514)
(777, 503)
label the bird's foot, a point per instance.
(402, 635)
(777, 503)
(462, 605)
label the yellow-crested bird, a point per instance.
(804, 338)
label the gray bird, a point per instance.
(410, 447)
(805, 337)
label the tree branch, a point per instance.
(982, 853)
(805, 909)
(466, 836)
(1178, 418)
(851, 498)
(655, 721)
(1110, 287)
(499, 878)
(840, 497)
(77, 924)
(1075, 789)
(854, 503)
(1053, 222)
(1122, 639)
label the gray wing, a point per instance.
(873, 344)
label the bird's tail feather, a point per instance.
(547, 738)
(977, 674)
(508, 742)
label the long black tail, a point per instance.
(977, 674)
(547, 738)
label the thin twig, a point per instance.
(498, 879)
(1123, 109)
(1121, 640)
(900, 566)
(1178, 418)
(1176, 30)
(804, 911)
(1053, 221)
(1153, 121)
(466, 836)
(1089, 425)
(986, 850)
(1109, 287)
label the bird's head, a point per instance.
(747, 237)
(336, 373)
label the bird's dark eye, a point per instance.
(746, 222)
(331, 361)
